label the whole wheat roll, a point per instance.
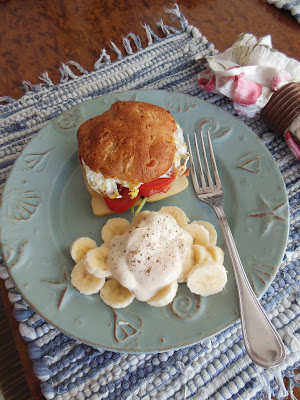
(133, 141)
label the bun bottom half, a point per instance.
(100, 208)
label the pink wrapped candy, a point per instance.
(251, 73)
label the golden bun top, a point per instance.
(132, 141)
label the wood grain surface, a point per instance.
(37, 36)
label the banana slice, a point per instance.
(200, 253)
(114, 227)
(189, 258)
(208, 256)
(207, 278)
(95, 262)
(198, 232)
(176, 213)
(216, 252)
(115, 295)
(139, 218)
(188, 265)
(164, 296)
(85, 282)
(80, 247)
(211, 229)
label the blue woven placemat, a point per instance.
(293, 6)
(217, 368)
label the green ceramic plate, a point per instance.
(46, 206)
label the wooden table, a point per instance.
(37, 36)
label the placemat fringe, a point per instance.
(66, 73)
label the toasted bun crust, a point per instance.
(132, 141)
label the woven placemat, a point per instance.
(217, 368)
(293, 6)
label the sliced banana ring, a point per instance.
(188, 264)
(200, 253)
(216, 252)
(114, 227)
(198, 232)
(115, 295)
(85, 282)
(208, 255)
(138, 218)
(80, 247)
(211, 229)
(207, 278)
(95, 262)
(164, 296)
(176, 213)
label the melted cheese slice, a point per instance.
(100, 208)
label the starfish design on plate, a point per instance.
(59, 285)
(16, 255)
(270, 213)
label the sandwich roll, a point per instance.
(132, 151)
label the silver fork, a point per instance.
(262, 342)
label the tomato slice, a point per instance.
(123, 203)
(160, 185)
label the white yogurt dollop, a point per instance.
(150, 256)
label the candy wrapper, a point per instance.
(250, 73)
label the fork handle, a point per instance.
(263, 344)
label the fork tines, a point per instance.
(209, 184)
